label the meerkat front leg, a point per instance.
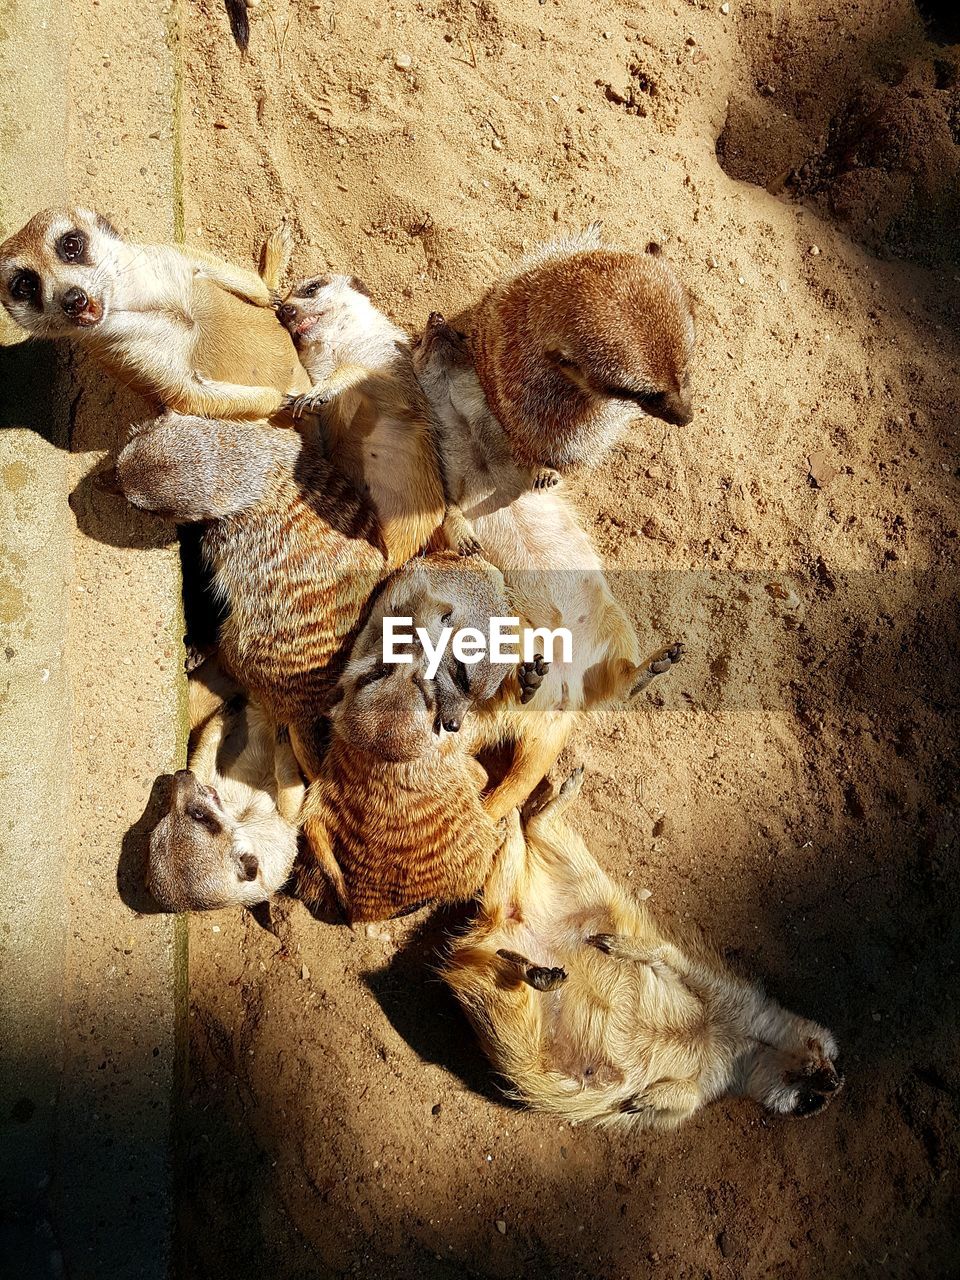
(459, 532)
(203, 760)
(319, 873)
(291, 788)
(340, 380)
(538, 976)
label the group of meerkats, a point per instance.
(343, 474)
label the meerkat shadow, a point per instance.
(423, 1011)
(135, 849)
(32, 381)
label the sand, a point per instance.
(791, 786)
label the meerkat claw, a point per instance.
(546, 478)
(666, 659)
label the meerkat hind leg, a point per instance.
(548, 802)
(241, 282)
(656, 665)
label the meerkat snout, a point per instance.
(570, 348)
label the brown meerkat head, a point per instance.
(57, 274)
(570, 348)
(199, 858)
(402, 710)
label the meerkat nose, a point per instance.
(74, 301)
(287, 312)
(452, 725)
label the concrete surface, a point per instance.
(91, 693)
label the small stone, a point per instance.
(501, 1226)
(91, 168)
(814, 251)
(741, 280)
(497, 144)
(214, 928)
(304, 972)
(712, 263)
(782, 286)
(403, 62)
(154, 134)
(220, 124)
(724, 9)
(877, 1017)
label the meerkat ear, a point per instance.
(108, 481)
(358, 286)
(248, 866)
(107, 227)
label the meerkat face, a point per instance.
(440, 347)
(625, 332)
(198, 858)
(57, 273)
(397, 710)
(332, 310)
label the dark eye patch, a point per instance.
(205, 818)
(72, 247)
(375, 673)
(310, 288)
(25, 285)
(461, 677)
(650, 400)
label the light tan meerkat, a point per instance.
(595, 1012)
(376, 420)
(577, 342)
(552, 573)
(395, 818)
(229, 836)
(183, 328)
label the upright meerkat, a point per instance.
(376, 418)
(595, 1012)
(296, 553)
(181, 327)
(395, 818)
(577, 342)
(229, 836)
(552, 573)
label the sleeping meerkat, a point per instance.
(576, 342)
(229, 837)
(593, 1011)
(395, 819)
(552, 574)
(181, 327)
(295, 550)
(376, 419)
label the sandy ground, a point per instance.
(792, 785)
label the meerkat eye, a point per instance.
(70, 247)
(205, 818)
(375, 673)
(446, 617)
(309, 290)
(25, 285)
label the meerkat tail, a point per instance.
(277, 250)
(239, 20)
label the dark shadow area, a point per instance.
(30, 373)
(870, 136)
(421, 1009)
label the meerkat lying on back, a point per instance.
(375, 416)
(594, 1012)
(576, 343)
(395, 818)
(183, 328)
(229, 837)
(551, 570)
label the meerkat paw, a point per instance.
(548, 800)
(459, 533)
(531, 676)
(195, 655)
(538, 976)
(546, 478)
(309, 402)
(657, 665)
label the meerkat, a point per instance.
(395, 818)
(229, 836)
(577, 342)
(376, 419)
(593, 1011)
(552, 573)
(295, 551)
(186, 330)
